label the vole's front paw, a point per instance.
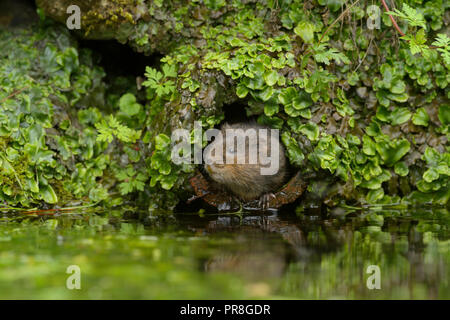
(264, 201)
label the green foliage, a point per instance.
(443, 42)
(436, 177)
(421, 117)
(391, 87)
(418, 42)
(333, 5)
(129, 106)
(324, 55)
(357, 107)
(310, 89)
(54, 132)
(111, 127)
(40, 74)
(131, 180)
(390, 150)
(444, 114)
(412, 16)
(162, 169)
(158, 81)
(305, 30)
(295, 154)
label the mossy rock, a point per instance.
(358, 118)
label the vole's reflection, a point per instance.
(255, 253)
(262, 246)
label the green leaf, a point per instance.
(322, 55)
(241, 91)
(395, 117)
(170, 70)
(403, 97)
(430, 175)
(375, 183)
(444, 114)
(48, 194)
(442, 40)
(421, 117)
(128, 104)
(333, 5)
(374, 195)
(236, 42)
(125, 188)
(302, 100)
(165, 168)
(311, 130)
(369, 147)
(401, 169)
(273, 122)
(167, 182)
(392, 151)
(266, 94)
(98, 194)
(271, 77)
(399, 116)
(431, 156)
(295, 154)
(270, 108)
(153, 77)
(287, 95)
(373, 129)
(290, 111)
(383, 114)
(398, 87)
(306, 113)
(305, 30)
(32, 185)
(411, 15)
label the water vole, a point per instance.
(256, 177)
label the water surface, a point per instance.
(312, 255)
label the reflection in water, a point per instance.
(328, 258)
(254, 255)
(286, 255)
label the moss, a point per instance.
(110, 14)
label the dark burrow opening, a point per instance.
(119, 59)
(236, 112)
(18, 13)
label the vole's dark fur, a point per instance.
(245, 180)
